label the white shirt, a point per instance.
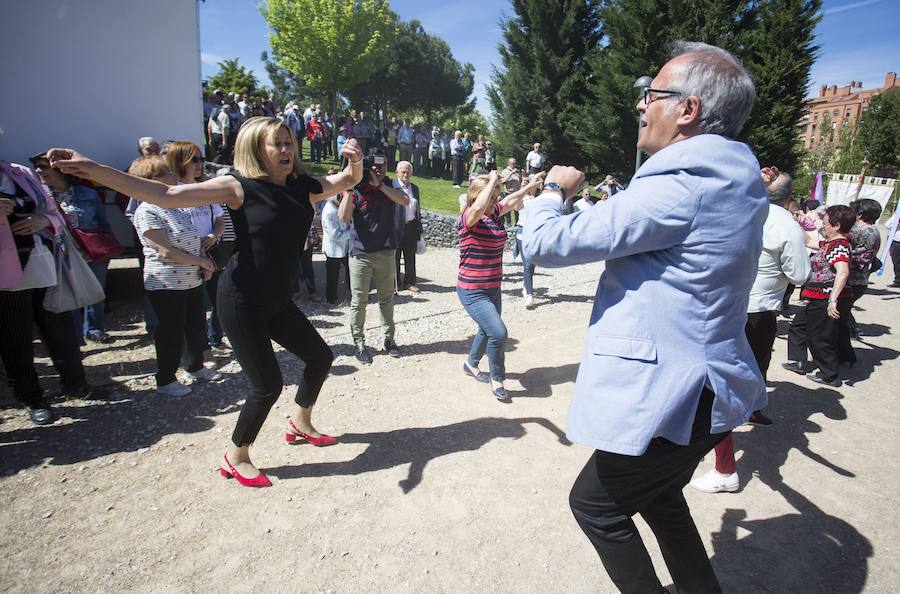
(413, 203)
(535, 159)
(159, 273)
(890, 225)
(204, 217)
(783, 260)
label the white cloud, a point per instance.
(846, 7)
(210, 59)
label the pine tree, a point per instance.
(233, 78)
(545, 54)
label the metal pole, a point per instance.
(640, 84)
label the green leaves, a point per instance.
(233, 78)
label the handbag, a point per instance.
(420, 246)
(876, 265)
(97, 245)
(40, 270)
(76, 285)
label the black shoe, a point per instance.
(820, 379)
(362, 355)
(759, 420)
(99, 336)
(41, 414)
(795, 366)
(391, 348)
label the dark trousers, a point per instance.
(408, 250)
(456, 167)
(19, 312)
(813, 329)
(437, 167)
(213, 326)
(180, 329)
(307, 272)
(220, 153)
(613, 487)
(332, 276)
(895, 258)
(761, 329)
(846, 354)
(251, 326)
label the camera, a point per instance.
(369, 161)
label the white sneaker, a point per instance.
(713, 482)
(176, 389)
(529, 301)
(205, 374)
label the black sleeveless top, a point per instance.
(270, 229)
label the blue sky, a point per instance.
(858, 37)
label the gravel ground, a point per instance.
(435, 486)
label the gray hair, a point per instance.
(724, 86)
(780, 188)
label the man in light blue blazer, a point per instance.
(667, 371)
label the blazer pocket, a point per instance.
(623, 347)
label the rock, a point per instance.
(47, 515)
(344, 553)
(143, 450)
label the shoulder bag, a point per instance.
(76, 285)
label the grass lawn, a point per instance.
(437, 195)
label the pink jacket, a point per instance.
(10, 269)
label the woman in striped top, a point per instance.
(482, 238)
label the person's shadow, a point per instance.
(416, 446)
(811, 551)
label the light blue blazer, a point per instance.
(681, 246)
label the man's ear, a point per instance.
(690, 111)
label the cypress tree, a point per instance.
(536, 92)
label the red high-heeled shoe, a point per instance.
(323, 440)
(260, 480)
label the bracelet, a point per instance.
(355, 162)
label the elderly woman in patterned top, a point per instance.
(865, 241)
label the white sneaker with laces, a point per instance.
(529, 301)
(175, 389)
(713, 482)
(204, 374)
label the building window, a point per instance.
(834, 113)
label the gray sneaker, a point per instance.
(391, 348)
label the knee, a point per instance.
(322, 362)
(499, 334)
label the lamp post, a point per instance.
(640, 84)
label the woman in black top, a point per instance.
(270, 202)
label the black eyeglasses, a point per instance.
(668, 94)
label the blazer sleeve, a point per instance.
(656, 212)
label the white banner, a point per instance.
(842, 189)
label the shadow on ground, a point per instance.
(416, 446)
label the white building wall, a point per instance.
(96, 75)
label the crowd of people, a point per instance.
(684, 317)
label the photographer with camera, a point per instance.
(377, 212)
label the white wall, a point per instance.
(96, 75)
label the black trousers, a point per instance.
(19, 312)
(437, 167)
(613, 487)
(456, 170)
(846, 354)
(251, 326)
(813, 329)
(408, 250)
(180, 330)
(307, 272)
(895, 258)
(332, 274)
(761, 329)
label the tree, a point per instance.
(233, 78)
(879, 132)
(419, 74)
(543, 79)
(285, 85)
(331, 45)
(779, 55)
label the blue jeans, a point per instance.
(528, 275)
(483, 306)
(90, 318)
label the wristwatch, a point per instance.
(555, 187)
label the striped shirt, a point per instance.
(481, 252)
(821, 279)
(161, 274)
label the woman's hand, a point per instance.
(6, 207)
(832, 310)
(30, 225)
(769, 174)
(351, 150)
(208, 241)
(72, 162)
(207, 267)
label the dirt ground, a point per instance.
(434, 486)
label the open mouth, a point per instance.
(285, 161)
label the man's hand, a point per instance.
(375, 178)
(208, 241)
(30, 225)
(570, 178)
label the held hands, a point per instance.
(208, 241)
(30, 225)
(71, 161)
(351, 150)
(570, 178)
(207, 267)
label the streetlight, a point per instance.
(640, 84)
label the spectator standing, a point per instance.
(315, 135)
(467, 151)
(445, 143)
(406, 139)
(895, 247)
(374, 207)
(457, 158)
(219, 134)
(490, 157)
(411, 230)
(392, 129)
(534, 160)
(436, 153)
(147, 145)
(479, 147)
(336, 246)
(865, 242)
(420, 152)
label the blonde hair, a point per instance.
(180, 154)
(248, 159)
(149, 167)
(476, 185)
